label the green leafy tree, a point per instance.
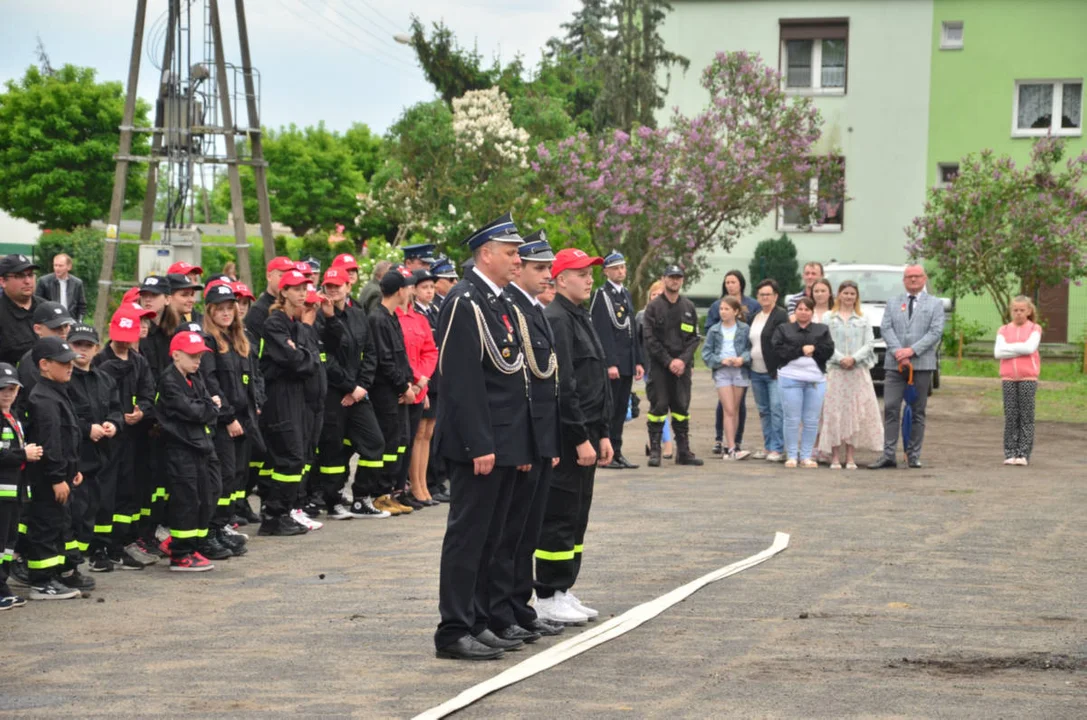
(58, 135)
(775, 258)
(313, 181)
(367, 149)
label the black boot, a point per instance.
(684, 456)
(656, 430)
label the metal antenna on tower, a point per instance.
(195, 107)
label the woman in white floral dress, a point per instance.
(851, 415)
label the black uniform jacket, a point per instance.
(54, 426)
(12, 461)
(790, 339)
(16, 329)
(544, 393)
(95, 400)
(29, 374)
(483, 410)
(258, 315)
(156, 348)
(671, 330)
(135, 382)
(316, 388)
(234, 377)
(393, 374)
(584, 391)
(278, 360)
(350, 350)
(186, 413)
(612, 308)
(256, 378)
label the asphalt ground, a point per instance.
(953, 591)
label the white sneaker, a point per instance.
(1020, 461)
(760, 455)
(161, 533)
(231, 531)
(305, 520)
(773, 457)
(574, 603)
(339, 512)
(556, 610)
(1011, 461)
(741, 455)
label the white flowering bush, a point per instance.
(482, 124)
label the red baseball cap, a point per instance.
(125, 325)
(313, 297)
(303, 267)
(191, 343)
(131, 295)
(184, 268)
(281, 263)
(336, 275)
(214, 283)
(138, 310)
(573, 259)
(345, 261)
(292, 277)
(242, 290)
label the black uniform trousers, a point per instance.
(620, 396)
(135, 484)
(566, 517)
(103, 538)
(478, 508)
(194, 486)
(233, 455)
(285, 437)
(149, 453)
(511, 569)
(392, 418)
(348, 430)
(9, 522)
(668, 393)
(49, 531)
(83, 504)
(315, 423)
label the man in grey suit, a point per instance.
(913, 325)
(63, 287)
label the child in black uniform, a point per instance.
(15, 453)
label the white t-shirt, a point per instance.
(758, 363)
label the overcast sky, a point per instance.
(331, 60)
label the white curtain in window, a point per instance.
(1035, 106)
(833, 75)
(1072, 106)
(798, 56)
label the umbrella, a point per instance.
(910, 396)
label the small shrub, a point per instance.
(776, 258)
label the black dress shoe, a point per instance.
(914, 463)
(468, 648)
(883, 462)
(627, 464)
(442, 497)
(614, 465)
(516, 632)
(542, 627)
(491, 640)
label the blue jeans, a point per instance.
(802, 403)
(768, 401)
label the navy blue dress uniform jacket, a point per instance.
(544, 393)
(612, 307)
(483, 410)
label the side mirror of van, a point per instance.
(949, 304)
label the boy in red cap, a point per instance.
(186, 414)
(190, 271)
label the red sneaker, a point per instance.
(193, 562)
(164, 546)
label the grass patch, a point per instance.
(1062, 394)
(1052, 371)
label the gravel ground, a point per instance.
(953, 591)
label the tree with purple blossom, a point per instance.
(1003, 230)
(676, 194)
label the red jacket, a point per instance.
(419, 342)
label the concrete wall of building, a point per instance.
(879, 125)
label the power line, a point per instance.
(350, 42)
(393, 26)
(379, 38)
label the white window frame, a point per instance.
(946, 43)
(816, 70)
(1055, 115)
(813, 199)
(940, 167)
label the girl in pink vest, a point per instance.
(1017, 350)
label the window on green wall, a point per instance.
(814, 54)
(1048, 106)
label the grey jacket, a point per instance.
(48, 287)
(923, 332)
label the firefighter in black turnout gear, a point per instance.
(511, 616)
(484, 431)
(670, 329)
(612, 309)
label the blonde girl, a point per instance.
(1020, 363)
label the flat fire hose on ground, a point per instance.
(602, 633)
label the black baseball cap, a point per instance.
(16, 263)
(422, 275)
(8, 376)
(398, 277)
(220, 294)
(155, 284)
(81, 332)
(52, 348)
(52, 315)
(181, 282)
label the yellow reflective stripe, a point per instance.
(260, 352)
(280, 477)
(371, 463)
(333, 469)
(100, 529)
(184, 534)
(46, 563)
(202, 532)
(685, 327)
(324, 358)
(346, 442)
(266, 472)
(245, 378)
(123, 519)
(656, 418)
(555, 556)
(8, 493)
(402, 449)
(578, 548)
(389, 458)
(6, 557)
(71, 545)
(223, 502)
(144, 512)
(22, 528)
(256, 464)
(680, 418)
(83, 547)
(238, 495)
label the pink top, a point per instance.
(1017, 350)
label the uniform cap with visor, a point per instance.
(220, 294)
(536, 248)
(16, 263)
(501, 230)
(190, 343)
(82, 333)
